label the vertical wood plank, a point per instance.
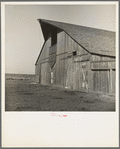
(114, 81)
(90, 74)
(111, 76)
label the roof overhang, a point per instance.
(48, 28)
(94, 41)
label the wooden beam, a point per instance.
(104, 65)
(81, 61)
(61, 53)
(102, 61)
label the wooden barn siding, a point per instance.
(69, 69)
(76, 72)
(80, 72)
(52, 55)
(42, 66)
(103, 74)
(37, 73)
(60, 63)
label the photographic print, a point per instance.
(60, 74)
(71, 68)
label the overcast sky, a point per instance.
(23, 36)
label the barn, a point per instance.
(76, 57)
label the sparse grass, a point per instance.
(25, 95)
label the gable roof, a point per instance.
(95, 41)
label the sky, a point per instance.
(23, 35)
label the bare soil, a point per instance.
(23, 94)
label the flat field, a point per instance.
(23, 94)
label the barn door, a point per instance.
(101, 81)
(112, 80)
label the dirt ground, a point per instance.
(22, 94)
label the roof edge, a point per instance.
(40, 52)
(43, 20)
(66, 33)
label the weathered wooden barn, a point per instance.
(76, 57)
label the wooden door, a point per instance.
(101, 81)
(113, 78)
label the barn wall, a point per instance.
(103, 74)
(59, 55)
(42, 69)
(71, 71)
(37, 73)
(82, 71)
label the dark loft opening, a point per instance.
(74, 53)
(54, 37)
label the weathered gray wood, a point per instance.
(114, 81)
(102, 65)
(111, 82)
(90, 75)
(80, 72)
